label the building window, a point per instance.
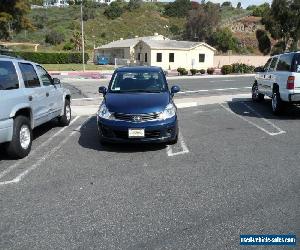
(201, 57)
(139, 56)
(171, 57)
(146, 57)
(158, 57)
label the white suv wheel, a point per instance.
(25, 137)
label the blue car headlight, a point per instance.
(169, 112)
(104, 113)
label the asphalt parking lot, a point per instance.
(234, 170)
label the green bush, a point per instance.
(51, 58)
(202, 71)
(185, 72)
(226, 69)
(210, 71)
(242, 68)
(193, 71)
(182, 71)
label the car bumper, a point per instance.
(155, 131)
(294, 97)
(6, 130)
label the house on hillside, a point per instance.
(123, 48)
(55, 3)
(172, 54)
(159, 51)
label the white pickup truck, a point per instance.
(280, 80)
(29, 97)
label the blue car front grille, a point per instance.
(137, 117)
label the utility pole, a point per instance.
(82, 38)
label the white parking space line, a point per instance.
(33, 153)
(41, 160)
(280, 131)
(208, 90)
(184, 148)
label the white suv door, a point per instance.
(53, 96)
(270, 77)
(35, 93)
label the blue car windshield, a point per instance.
(138, 81)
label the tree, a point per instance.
(134, 4)
(202, 22)
(239, 5)
(76, 40)
(223, 40)
(114, 10)
(260, 10)
(54, 37)
(36, 2)
(264, 43)
(178, 8)
(226, 4)
(13, 17)
(283, 22)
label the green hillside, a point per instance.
(142, 21)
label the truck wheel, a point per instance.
(277, 104)
(256, 96)
(20, 145)
(65, 119)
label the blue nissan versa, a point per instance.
(138, 107)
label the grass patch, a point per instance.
(76, 67)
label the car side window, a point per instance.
(8, 76)
(273, 64)
(296, 63)
(285, 62)
(43, 74)
(29, 75)
(267, 64)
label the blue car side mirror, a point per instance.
(102, 90)
(175, 89)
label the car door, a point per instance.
(35, 93)
(52, 93)
(270, 77)
(262, 77)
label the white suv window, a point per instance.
(296, 63)
(285, 62)
(43, 74)
(29, 75)
(8, 76)
(273, 64)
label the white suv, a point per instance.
(280, 80)
(29, 97)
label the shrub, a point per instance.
(181, 70)
(226, 69)
(114, 10)
(202, 71)
(210, 71)
(185, 72)
(54, 37)
(242, 68)
(51, 57)
(193, 71)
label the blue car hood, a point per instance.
(137, 103)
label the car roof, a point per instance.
(286, 53)
(139, 68)
(15, 59)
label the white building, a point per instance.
(160, 51)
(55, 3)
(123, 48)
